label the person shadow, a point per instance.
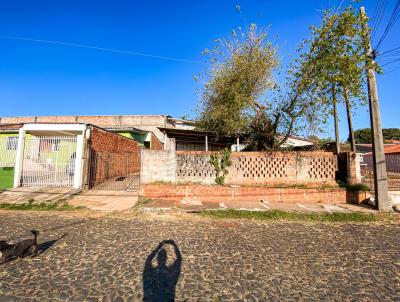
(159, 282)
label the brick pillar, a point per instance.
(351, 168)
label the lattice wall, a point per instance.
(256, 167)
(322, 168)
(262, 167)
(195, 167)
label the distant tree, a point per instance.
(363, 136)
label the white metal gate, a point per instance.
(8, 151)
(49, 161)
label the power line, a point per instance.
(379, 13)
(391, 62)
(389, 51)
(132, 53)
(393, 19)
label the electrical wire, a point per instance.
(389, 51)
(379, 13)
(392, 20)
(391, 62)
(132, 53)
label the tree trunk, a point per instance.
(349, 120)
(336, 121)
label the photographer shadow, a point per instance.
(159, 282)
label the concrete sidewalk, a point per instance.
(197, 205)
(99, 200)
(103, 200)
(25, 194)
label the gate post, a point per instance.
(19, 158)
(78, 161)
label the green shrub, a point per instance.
(357, 187)
(221, 161)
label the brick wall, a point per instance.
(6, 127)
(155, 143)
(226, 193)
(111, 155)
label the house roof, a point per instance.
(387, 148)
(124, 128)
(392, 148)
(199, 136)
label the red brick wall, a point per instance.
(226, 194)
(10, 126)
(155, 143)
(112, 155)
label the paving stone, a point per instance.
(104, 259)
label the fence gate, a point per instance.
(114, 171)
(392, 169)
(49, 161)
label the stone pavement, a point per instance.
(114, 258)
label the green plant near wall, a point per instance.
(221, 161)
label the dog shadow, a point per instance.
(44, 246)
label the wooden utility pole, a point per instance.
(380, 175)
(335, 118)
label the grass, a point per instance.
(277, 215)
(323, 186)
(31, 205)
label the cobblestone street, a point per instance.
(112, 259)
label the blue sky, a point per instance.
(50, 79)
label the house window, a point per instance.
(12, 143)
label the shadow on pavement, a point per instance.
(43, 247)
(159, 281)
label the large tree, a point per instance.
(241, 71)
(237, 95)
(334, 60)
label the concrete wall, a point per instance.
(157, 165)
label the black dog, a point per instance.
(20, 249)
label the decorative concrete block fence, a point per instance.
(248, 168)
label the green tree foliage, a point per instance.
(238, 93)
(363, 136)
(331, 66)
(221, 161)
(241, 70)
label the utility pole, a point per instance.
(380, 175)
